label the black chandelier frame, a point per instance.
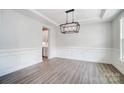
(70, 27)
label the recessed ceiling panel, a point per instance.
(81, 15)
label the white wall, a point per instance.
(18, 30)
(116, 43)
(91, 35)
(52, 42)
(92, 43)
(20, 41)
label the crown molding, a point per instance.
(103, 11)
(43, 16)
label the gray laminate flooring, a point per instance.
(65, 71)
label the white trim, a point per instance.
(87, 60)
(88, 48)
(117, 62)
(99, 55)
(18, 51)
(121, 37)
(103, 11)
(121, 69)
(121, 60)
(43, 16)
(15, 59)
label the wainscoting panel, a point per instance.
(15, 59)
(117, 62)
(100, 55)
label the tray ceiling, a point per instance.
(81, 15)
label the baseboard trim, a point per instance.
(15, 68)
(92, 61)
(119, 68)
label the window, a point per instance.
(122, 39)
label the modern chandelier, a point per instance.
(70, 27)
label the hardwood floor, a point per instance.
(65, 71)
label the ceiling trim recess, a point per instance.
(101, 16)
(55, 23)
(43, 16)
(103, 11)
(89, 18)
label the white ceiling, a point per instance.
(57, 16)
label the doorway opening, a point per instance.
(45, 34)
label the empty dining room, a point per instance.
(61, 46)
